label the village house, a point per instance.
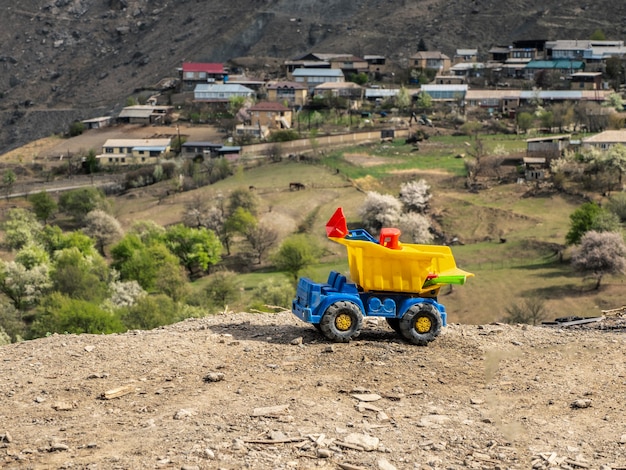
(97, 122)
(503, 101)
(586, 81)
(605, 140)
(194, 73)
(565, 67)
(217, 93)
(349, 90)
(430, 60)
(347, 63)
(547, 147)
(465, 56)
(133, 151)
(450, 93)
(291, 93)
(145, 114)
(270, 114)
(202, 150)
(313, 77)
(376, 66)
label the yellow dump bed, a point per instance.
(406, 268)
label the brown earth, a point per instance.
(265, 391)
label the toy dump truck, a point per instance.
(390, 279)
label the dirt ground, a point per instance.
(266, 391)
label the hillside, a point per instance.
(75, 59)
(264, 391)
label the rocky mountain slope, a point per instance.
(62, 60)
(265, 391)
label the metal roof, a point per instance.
(303, 72)
(137, 143)
(222, 88)
(608, 137)
(203, 67)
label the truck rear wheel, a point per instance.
(342, 321)
(421, 324)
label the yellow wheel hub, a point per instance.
(343, 322)
(423, 324)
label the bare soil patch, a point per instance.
(267, 391)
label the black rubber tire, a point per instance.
(421, 324)
(342, 321)
(394, 324)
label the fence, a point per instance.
(318, 142)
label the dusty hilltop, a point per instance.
(266, 391)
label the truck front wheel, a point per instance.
(421, 324)
(341, 322)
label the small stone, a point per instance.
(62, 406)
(59, 447)
(209, 454)
(329, 349)
(476, 401)
(324, 453)
(214, 377)
(89, 348)
(39, 399)
(189, 467)
(296, 341)
(366, 396)
(368, 443)
(622, 439)
(581, 403)
(6, 438)
(384, 464)
(182, 414)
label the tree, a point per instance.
(222, 288)
(150, 263)
(44, 206)
(261, 239)
(380, 210)
(91, 164)
(598, 35)
(403, 99)
(421, 45)
(8, 180)
(20, 228)
(76, 128)
(196, 248)
(589, 216)
(103, 228)
(81, 277)
(54, 240)
(599, 254)
(415, 195)
(617, 205)
(22, 286)
(244, 198)
(531, 311)
(80, 202)
(524, 121)
(294, 254)
(424, 101)
(417, 227)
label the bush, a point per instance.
(150, 312)
(60, 314)
(532, 311)
(617, 205)
(272, 293)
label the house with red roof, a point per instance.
(194, 73)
